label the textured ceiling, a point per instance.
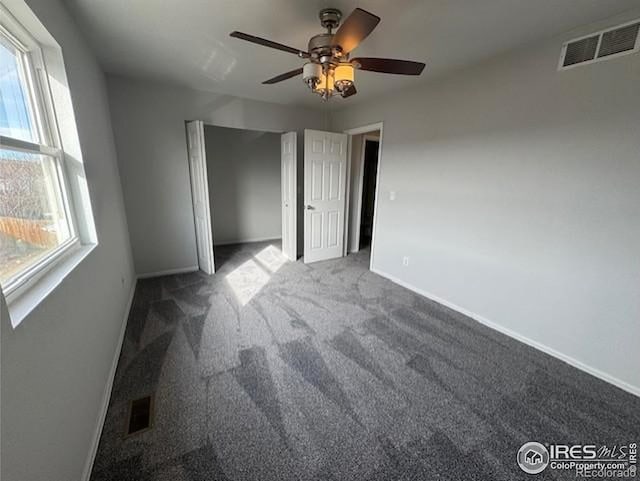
(186, 42)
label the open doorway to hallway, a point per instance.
(370, 170)
(363, 180)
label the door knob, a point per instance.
(310, 207)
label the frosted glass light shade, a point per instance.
(311, 72)
(344, 76)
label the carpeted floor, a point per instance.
(274, 370)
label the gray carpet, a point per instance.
(273, 370)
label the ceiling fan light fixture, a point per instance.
(328, 71)
(326, 85)
(311, 74)
(343, 76)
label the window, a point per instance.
(37, 224)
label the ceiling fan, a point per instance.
(329, 70)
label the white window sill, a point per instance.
(21, 303)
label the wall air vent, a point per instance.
(603, 45)
(619, 40)
(581, 51)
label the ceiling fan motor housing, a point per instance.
(322, 49)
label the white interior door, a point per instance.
(325, 171)
(288, 180)
(200, 195)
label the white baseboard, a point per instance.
(247, 241)
(168, 272)
(504, 330)
(86, 474)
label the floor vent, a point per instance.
(613, 42)
(140, 415)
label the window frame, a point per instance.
(42, 111)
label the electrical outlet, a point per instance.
(405, 261)
(392, 195)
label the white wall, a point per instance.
(243, 167)
(55, 364)
(148, 122)
(518, 199)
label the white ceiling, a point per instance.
(186, 42)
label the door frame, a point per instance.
(365, 129)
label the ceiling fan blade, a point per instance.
(349, 92)
(355, 29)
(268, 43)
(283, 76)
(389, 65)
